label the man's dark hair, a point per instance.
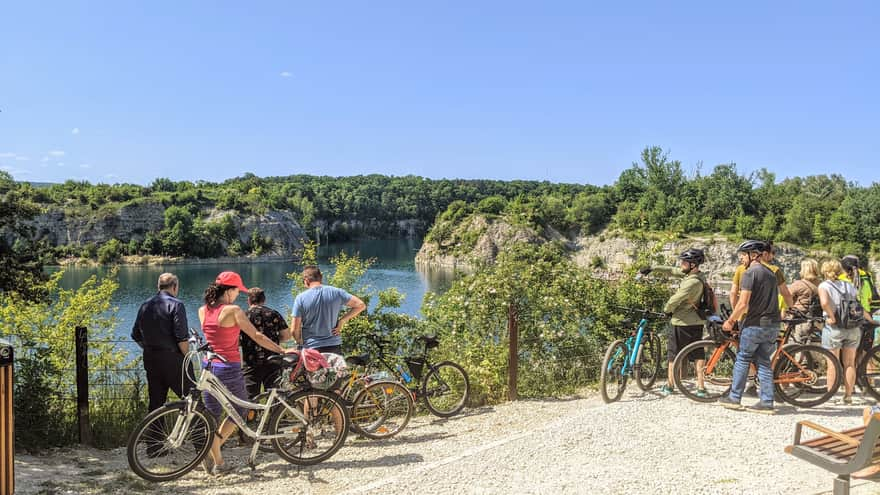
(256, 296)
(312, 273)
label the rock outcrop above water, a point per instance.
(479, 238)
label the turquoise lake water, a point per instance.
(394, 267)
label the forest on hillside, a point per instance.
(653, 194)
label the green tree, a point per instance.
(21, 261)
(110, 252)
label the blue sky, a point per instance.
(563, 91)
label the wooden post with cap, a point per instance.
(7, 419)
(513, 356)
(82, 384)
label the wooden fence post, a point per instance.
(7, 419)
(513, 357)
(82, 384)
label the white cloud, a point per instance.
(85, 165)
(7, 155)
(14, 171)
(111, 176)
(22, 159)
(56, 153)
(75, 131)
(45, 159)
(60, 164)
(285, 74)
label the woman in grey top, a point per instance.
(842, 342)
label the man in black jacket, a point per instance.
(161, 330)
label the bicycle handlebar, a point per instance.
(644, 312)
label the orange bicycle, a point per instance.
(800, 371)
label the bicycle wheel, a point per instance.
(317, 441)
(612, 380)
(381, 410)
(800, 375)
(868, 372)
(717, 370)
(445, 389)
(169, 442)
(648, 362)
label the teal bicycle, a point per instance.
(639, 357)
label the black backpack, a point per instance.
(849, 313)
(707, 304)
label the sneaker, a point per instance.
(666, 390)
(701, 393)
(221, 469)
(208, 464)
(729, 403)
(762, 407)
(844, 401)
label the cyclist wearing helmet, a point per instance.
(767, 255)
(758, 302)
(687, 324)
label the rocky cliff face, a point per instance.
(131, 222)
(478, 240)
(280, 226)
(135, 221)
(604, 252)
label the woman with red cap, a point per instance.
(222, 321)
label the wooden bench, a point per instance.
(840, 452)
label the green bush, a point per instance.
(110, 252)
(565, 318)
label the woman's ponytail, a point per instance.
(214, 292)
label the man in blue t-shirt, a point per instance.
(316, 320)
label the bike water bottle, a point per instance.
(404, 374)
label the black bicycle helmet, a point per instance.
(693, 255)
(751, 246)
(849, 262)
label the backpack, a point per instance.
(707, 304)
(849, 313)
(814, 308)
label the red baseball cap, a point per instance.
(232, 279)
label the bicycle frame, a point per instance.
(794, 377)
(208, 382)
(633, 343)
(414, 386)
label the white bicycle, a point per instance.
(304, 427)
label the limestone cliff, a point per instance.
(478, 239)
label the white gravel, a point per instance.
(643, 444)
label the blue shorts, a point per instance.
(231, 376)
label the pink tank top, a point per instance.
(223, 340)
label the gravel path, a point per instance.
(643, 444)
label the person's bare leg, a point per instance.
(700, 365)
(848, 359)
(226, 429)
(832, 369)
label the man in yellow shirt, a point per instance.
(785, 299)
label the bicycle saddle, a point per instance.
(284, 360)
(360, 360)
(429, 340)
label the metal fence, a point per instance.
(104, 400)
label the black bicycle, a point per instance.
(443, 387)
